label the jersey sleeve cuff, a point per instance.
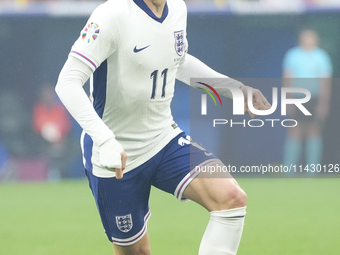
(84, 59)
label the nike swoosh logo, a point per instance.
(135, 50)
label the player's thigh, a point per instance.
(142, 247)
(180, 174)
(177, 167)
(216, 194)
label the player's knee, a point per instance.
(136, 251)
(238, 198)
(132, 250)
(143, 251)
(232, 197)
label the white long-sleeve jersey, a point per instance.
(135, 58)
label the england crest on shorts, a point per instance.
(124, 223)
(179, 42)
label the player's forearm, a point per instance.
(70, 91)
(194, 68)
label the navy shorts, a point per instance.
(124, 204)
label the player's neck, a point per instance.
(156, 6)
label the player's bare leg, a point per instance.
(226, 202)
(142, 247)
(216, 194)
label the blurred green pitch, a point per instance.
(284, 216)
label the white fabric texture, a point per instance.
(133, 84)
(71, 93)
(194, 68)
(135, 63)
(223, 233)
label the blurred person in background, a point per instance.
(4, 157)
(13, 125)
(53, 123)
(307, 66)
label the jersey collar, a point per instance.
(147, 10)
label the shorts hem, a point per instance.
(191, 176)
(136, 237)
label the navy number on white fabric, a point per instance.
(154, 76)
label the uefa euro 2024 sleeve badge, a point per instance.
(179, 42)
(124, 223)
(90, 32)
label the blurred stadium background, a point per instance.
(46, 206)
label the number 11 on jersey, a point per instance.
(153, 76)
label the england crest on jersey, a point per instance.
(124, 223)
(179, 42)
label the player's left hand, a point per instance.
(119, 171)
(113, 157)
(259, 101)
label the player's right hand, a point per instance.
(259, 101)
(113, 157)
